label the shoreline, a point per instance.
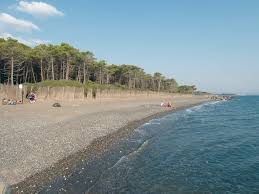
(93, 151)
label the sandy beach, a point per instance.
(35, 137)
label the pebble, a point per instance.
(52, 138)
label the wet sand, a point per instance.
(39, 142)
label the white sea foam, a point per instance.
(199, 107)
(141, 131)
(215, 102)
(155, 123)
(118, 162)
(152, 123)
(189, 110)
(145, 143)
(131, 154)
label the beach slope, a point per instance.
(35, 137)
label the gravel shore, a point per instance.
(33, 138)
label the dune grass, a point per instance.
(71, 83)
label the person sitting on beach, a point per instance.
(32, 97)
(167, 105)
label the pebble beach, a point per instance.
(36, 137)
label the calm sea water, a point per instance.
(211, 148)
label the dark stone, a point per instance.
(56, 104)
(221, 98)
(4, 101)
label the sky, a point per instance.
(211, 44)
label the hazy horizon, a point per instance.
(213, 45)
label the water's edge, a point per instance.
(95, 151)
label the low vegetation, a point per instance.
(71, 83)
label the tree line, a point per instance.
(20, 63)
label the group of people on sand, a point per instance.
(167, 105)
(30, 96)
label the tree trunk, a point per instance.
(48, 71)
(63, 72)
(26, 74)
(84, 73)
(153, 85)
(129, 82)
(100, 76)
(67, 70)
(52, 69)
(134, 81)
(107, 78)
(12, 70)
(33, 75)
(17, 78)
(79, 74)
(41, 70)
(159, 85)
(23, 75)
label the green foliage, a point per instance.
(187, 89)
(64, 65)
(71, 83)
(59, 83)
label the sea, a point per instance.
(209, 148)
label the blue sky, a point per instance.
(213, 44)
